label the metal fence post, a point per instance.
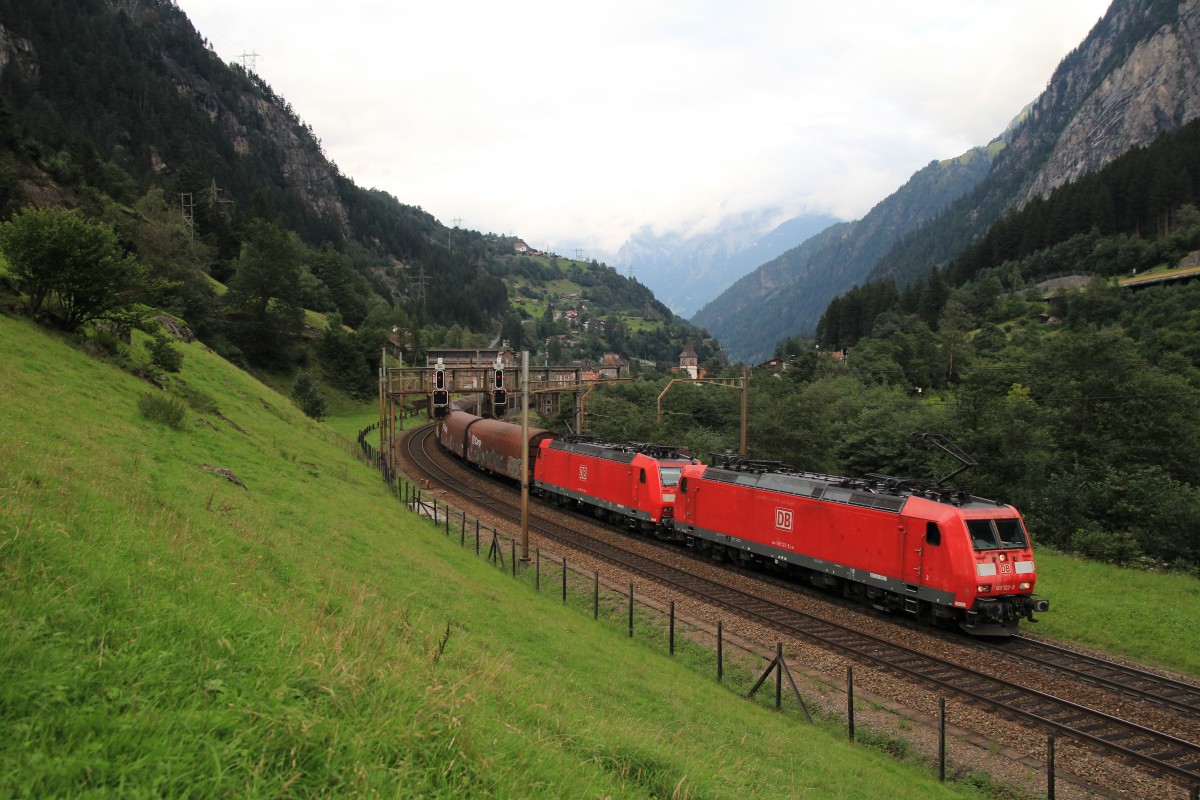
(671, 637)
(514, 556)
(538, 570)
(564, 588)
(778, 675)
(596, 595)
(1050, 768)
(631, 610)
(720, 653)
(942, 740)
(850, 702)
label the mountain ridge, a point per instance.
(687, 271)
(1107, 95)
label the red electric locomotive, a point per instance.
(634, 484)
(940, 555)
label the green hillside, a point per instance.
(166, 632)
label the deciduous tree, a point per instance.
(73, 269)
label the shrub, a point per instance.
(163, 355)
(164, 408)
(307, 391)
(1113, 547)
(199, 400)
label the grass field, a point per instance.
(1147, 616)
(166, 632)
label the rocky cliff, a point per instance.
(1153, 89)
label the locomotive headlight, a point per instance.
(984, 587)
(1026, 585)
(1003, 557)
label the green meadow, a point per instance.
(165, 631)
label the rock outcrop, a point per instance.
(1153, 90)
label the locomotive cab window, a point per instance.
(997, 534)
(933, 534)
(682, 485)
(1012, 534)
(642, 476)
(670, 475)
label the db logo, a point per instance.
(582, 472)
(783, 519)
(1006, 568)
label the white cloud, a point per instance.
(570, 122)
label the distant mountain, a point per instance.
(787, 296)
(685, 272)
(1135, 76)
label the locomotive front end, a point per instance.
(1004, 576)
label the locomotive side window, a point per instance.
(933, 534)
(682, 485)
(670, 475)
(642, 477)
(996, 534)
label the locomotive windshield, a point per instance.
(997, 534)
(670, 475)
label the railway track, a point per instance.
(1161, 753)
(1130, 681)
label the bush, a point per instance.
(1119, 547)
(164, 408)
(199, 400)
(307, 391)
(163, 355)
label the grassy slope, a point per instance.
(165, 632)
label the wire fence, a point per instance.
(741, 666)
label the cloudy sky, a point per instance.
(573, 124)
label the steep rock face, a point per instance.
(1133, 78)
(17, 51)
(1154, 90)
(260, 126)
